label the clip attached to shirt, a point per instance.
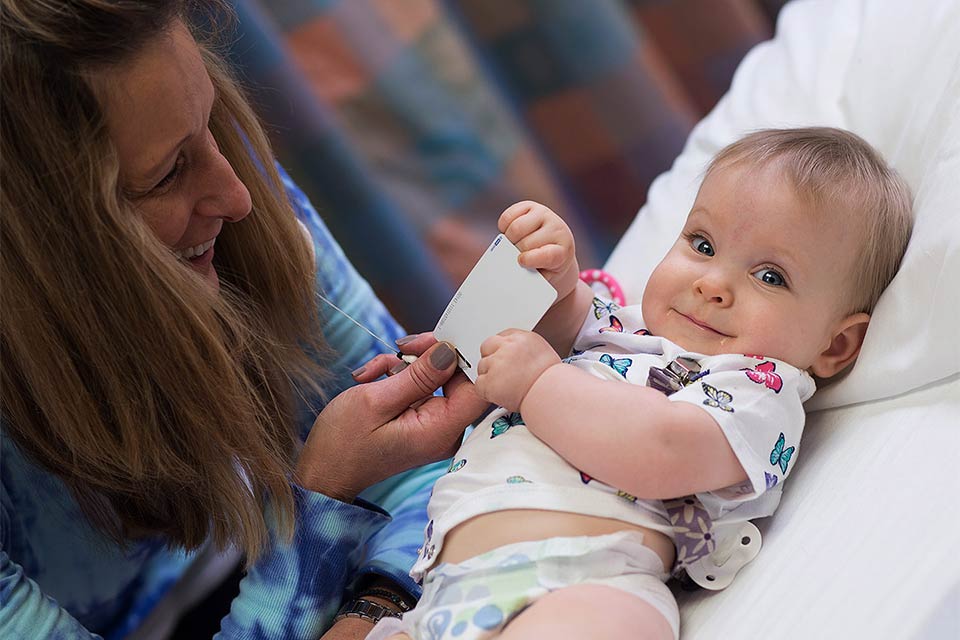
(675, 376)
(711, 554)
(737, 545)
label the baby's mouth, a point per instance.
(703, 325)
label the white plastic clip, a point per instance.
(736, 547)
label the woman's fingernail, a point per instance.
(397, 368)
(404, 340)
(442, 357)
(357, 372)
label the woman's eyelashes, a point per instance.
(171, 177)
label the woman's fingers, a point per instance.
(433, 430)
(416, 343)
(358, 439)
(389, 363)
(379, 366)
(432, 369)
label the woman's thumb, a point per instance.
(419, 380)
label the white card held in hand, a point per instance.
(498, 294)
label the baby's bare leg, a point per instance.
(589, 611)
(399, 636)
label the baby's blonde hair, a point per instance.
(840, 174)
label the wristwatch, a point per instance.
(360, 608)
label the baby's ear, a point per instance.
(843, 349)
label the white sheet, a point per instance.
(864, 543)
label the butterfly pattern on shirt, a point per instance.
(620, 365)
(617, 327)
(771, 479)
(765, 374)
(602, 307)
(503, 424)
(717, 398)
(781, 456)
(586, 478)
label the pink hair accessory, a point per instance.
(596, 275)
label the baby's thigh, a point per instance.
(589, 611)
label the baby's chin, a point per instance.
(712, 346)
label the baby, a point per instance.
(551, 521)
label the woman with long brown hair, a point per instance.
(163, 354)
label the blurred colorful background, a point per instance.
(412, 124)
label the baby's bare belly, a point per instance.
(491, 530)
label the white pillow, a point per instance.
(890, 72)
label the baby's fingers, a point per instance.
(550, 257)
(514, 211)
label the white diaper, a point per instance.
(477, 598)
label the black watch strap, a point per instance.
(360, 608)
(396, 599)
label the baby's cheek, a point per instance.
(787, 338)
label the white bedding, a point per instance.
(864, 543)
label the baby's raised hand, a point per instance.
(545, 243)
(510, 363)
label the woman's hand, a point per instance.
(545, 243)
(373, 431)
(511, 362)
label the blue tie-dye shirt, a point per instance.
(59, 578)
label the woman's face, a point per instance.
(157, 108)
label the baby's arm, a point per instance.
(628, 436)
(546, 243)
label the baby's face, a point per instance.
(755, 271)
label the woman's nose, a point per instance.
(224, 195)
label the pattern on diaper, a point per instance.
(584, 478)
(601, 307)
(502, 424)
(456, 465)
(615, 325)
(717, 398)
(765, 374)
(620, 365)
(517, 480)
(779, 455)
(483, 603)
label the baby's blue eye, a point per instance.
(701, 245)
(771, 277)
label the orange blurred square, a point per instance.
(331, 68)
(568, 125)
